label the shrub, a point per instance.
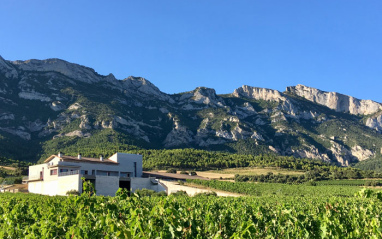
(160, 194)
(144, 192)
(312, 183)
(180, 193)
(72, 192)
(183, 172)
(213, 194)
(192, 173)
(122, 193)
(171, 170)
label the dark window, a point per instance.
(135, 169)
(84, 172)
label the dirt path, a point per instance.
(8, 168)
(174, 186)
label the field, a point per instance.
(274, 211)
(230, 172)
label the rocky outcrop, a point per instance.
(336, 101)
(57, 106)
(71, 70)
(133, 85)
(32, 95)
(19, 131)
(200, 96)
(7, 116)
(179, 135)
(7, 69)
(259, 93)
(375, 122)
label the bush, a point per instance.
(213, 194)
(122, 193)
(183, 172)
(144, 192)
(171, 170)
(160, 194)
(72, 192)
(180, 193)
(192, 173)
(312, 183)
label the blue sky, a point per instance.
(333, 45)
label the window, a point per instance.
(63, 170)
(84, 172)
(135, 169)
(53, 172)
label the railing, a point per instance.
(69, 173)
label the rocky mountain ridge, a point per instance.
(54, 102)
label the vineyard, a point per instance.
(337, 214)
(278, 189)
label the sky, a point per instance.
(178, 45)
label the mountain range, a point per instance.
(50, 105)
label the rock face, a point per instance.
(336, 101)
(53, 102)
(375, 122)
(259, 93)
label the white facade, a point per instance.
(60, 174)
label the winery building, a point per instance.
(60, 174)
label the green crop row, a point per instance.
(35, 216)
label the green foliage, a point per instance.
(206, 194)
(88, 188)
(171, 170)
(72, 192)
(36, 216)
(321, 173)
(144, 192)
(122, 193)
(179, 193)
(10, 180)
(203, 160)
(276, 189)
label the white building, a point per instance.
(60, 174)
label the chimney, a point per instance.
(101, 158)
(60, 154)
(79, 156)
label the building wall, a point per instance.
(67, 183)
(106, 185)
(127, 161)
(139, 183)
(41, 187)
